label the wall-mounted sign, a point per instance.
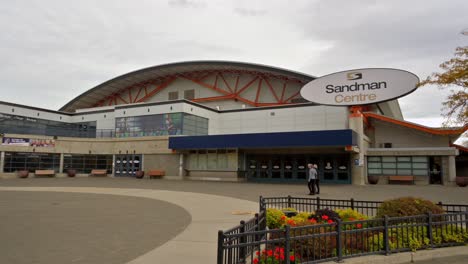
(28, 142)
(360, 87)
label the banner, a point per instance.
(28, 142)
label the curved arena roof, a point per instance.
(145, 76)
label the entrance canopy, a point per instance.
(344, 137)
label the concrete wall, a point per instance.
(143, 145)
(307, 118)
(34, 113)
(402, 137)
(167, 162)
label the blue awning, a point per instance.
(325, 138)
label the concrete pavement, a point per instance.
(197, 243)
(211, 204)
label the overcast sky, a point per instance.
(52, 51)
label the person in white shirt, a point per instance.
(312, 178)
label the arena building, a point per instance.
(219, 120)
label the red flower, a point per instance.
(255, 261)
(291, 222)
(312, 220)
(325, 217)
(270, 253)
(330, 221)
(257, 253)
(292, 258)
(351, 219)
(359, 225)
(283, 217)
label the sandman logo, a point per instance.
(354, 76)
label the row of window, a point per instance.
(15, 161)
(418, 166)
(161, 124)
(220, 159)
(35, 126)
(86, 163)
(188, 95)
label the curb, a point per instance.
(460, 252)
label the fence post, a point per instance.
(318, 203)
(386, 237)
(242, 240)
(257, 227)
(429, 228)
(289, 201)
(339, 238)
(287, 244)
(260, 203)
(352, 203)
(466, 220)
(220, 247)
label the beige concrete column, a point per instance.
(452, 170)
(2, 161)
(358, 171)
(61, 163)
(142, 164)
(113, 165)
(181, 165)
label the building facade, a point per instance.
(213, 120)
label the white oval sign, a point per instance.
(360, 87)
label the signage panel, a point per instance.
(360, 87)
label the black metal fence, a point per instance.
(251, 241)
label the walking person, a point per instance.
(317, 180)
(312, 177)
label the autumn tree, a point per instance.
(455, 77)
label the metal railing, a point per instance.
(251, 240)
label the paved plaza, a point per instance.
(125, 220)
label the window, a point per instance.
(15, 161)
(397, 166)
(173, 95)
(86, 163)
(189, 94)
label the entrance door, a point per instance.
(435, 173)
(336, 169)
(300, 168)
(331, 169)
(276, 167)
(127, 165)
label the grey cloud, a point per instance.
(186, 3)
(249, 12)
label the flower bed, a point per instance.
(333, 234)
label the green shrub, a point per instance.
(274, 218)
(414, 238)
(301, 218)
(350, 215)
(407, 206)
(289, 209)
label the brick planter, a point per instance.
(23, 174)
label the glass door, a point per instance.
(328, 169)
(288, 167)
(276, 167)
(127, 165)
(300, 168)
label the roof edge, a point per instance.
(434, 131)
(188, 63)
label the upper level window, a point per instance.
(173, 95)
(189, 94)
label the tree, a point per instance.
(455, 74)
